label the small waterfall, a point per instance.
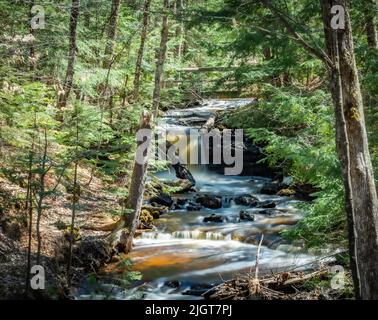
(188, 234)
(214, 236)
(185, 234)
(156, 235)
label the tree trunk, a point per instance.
(72, 56)
(136, 191)
(179, 29)
(160, 60)
(32, 62)
(41, 195)
(371, 30)
(112, 32)
(143, 36)
(353, 151)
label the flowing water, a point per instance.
(184, 249)
(183, 254)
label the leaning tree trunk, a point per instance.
(72, 56)
(143, 37)
(371, 30)
(160, 60)
(353, 151)
(112, 32)
(136, 191)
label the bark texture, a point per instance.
(136, 191)
(353, 151)
(72, 55)
(371, 30)
(143, 37)
(112, 32)
(160, 60)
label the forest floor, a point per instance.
(93, 210)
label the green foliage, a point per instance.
(296, 132)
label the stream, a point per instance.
(183, 256)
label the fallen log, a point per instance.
(269, 287)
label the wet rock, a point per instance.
(272, 188)
(163, 199)
(183, 185)
(145, 220)
(246, 200)
(246, 215)
(193, 206)
(267, 204)
(174, 284)
(210, 201)
(286, 192)
(198, 289)
(269, 212)
(180, 203)
(213, 218)
(156, 211)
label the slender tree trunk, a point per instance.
(32, 62)
(75, 199)
(29, 209)
(112, 32)
(160, 60)
(143, 37)
(62, 102)
(137, 185)
(179, 29)
(352, 147)
(41, 196)
(371, 30)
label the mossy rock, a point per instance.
(155, 211)
(286, 192)
(145, 217)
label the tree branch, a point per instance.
(319, 53)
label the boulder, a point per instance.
(271, 188)
(193, 206)
(213, 218)
(163, 199)
(268, 204)
(246, 215)
(180, 203)
(286, 192)
(210, 201)
(246, 200)
(269, 212)
(145, 220)
(155, 211)
(174, 284)
(198, 289)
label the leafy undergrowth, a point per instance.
(295, 131)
